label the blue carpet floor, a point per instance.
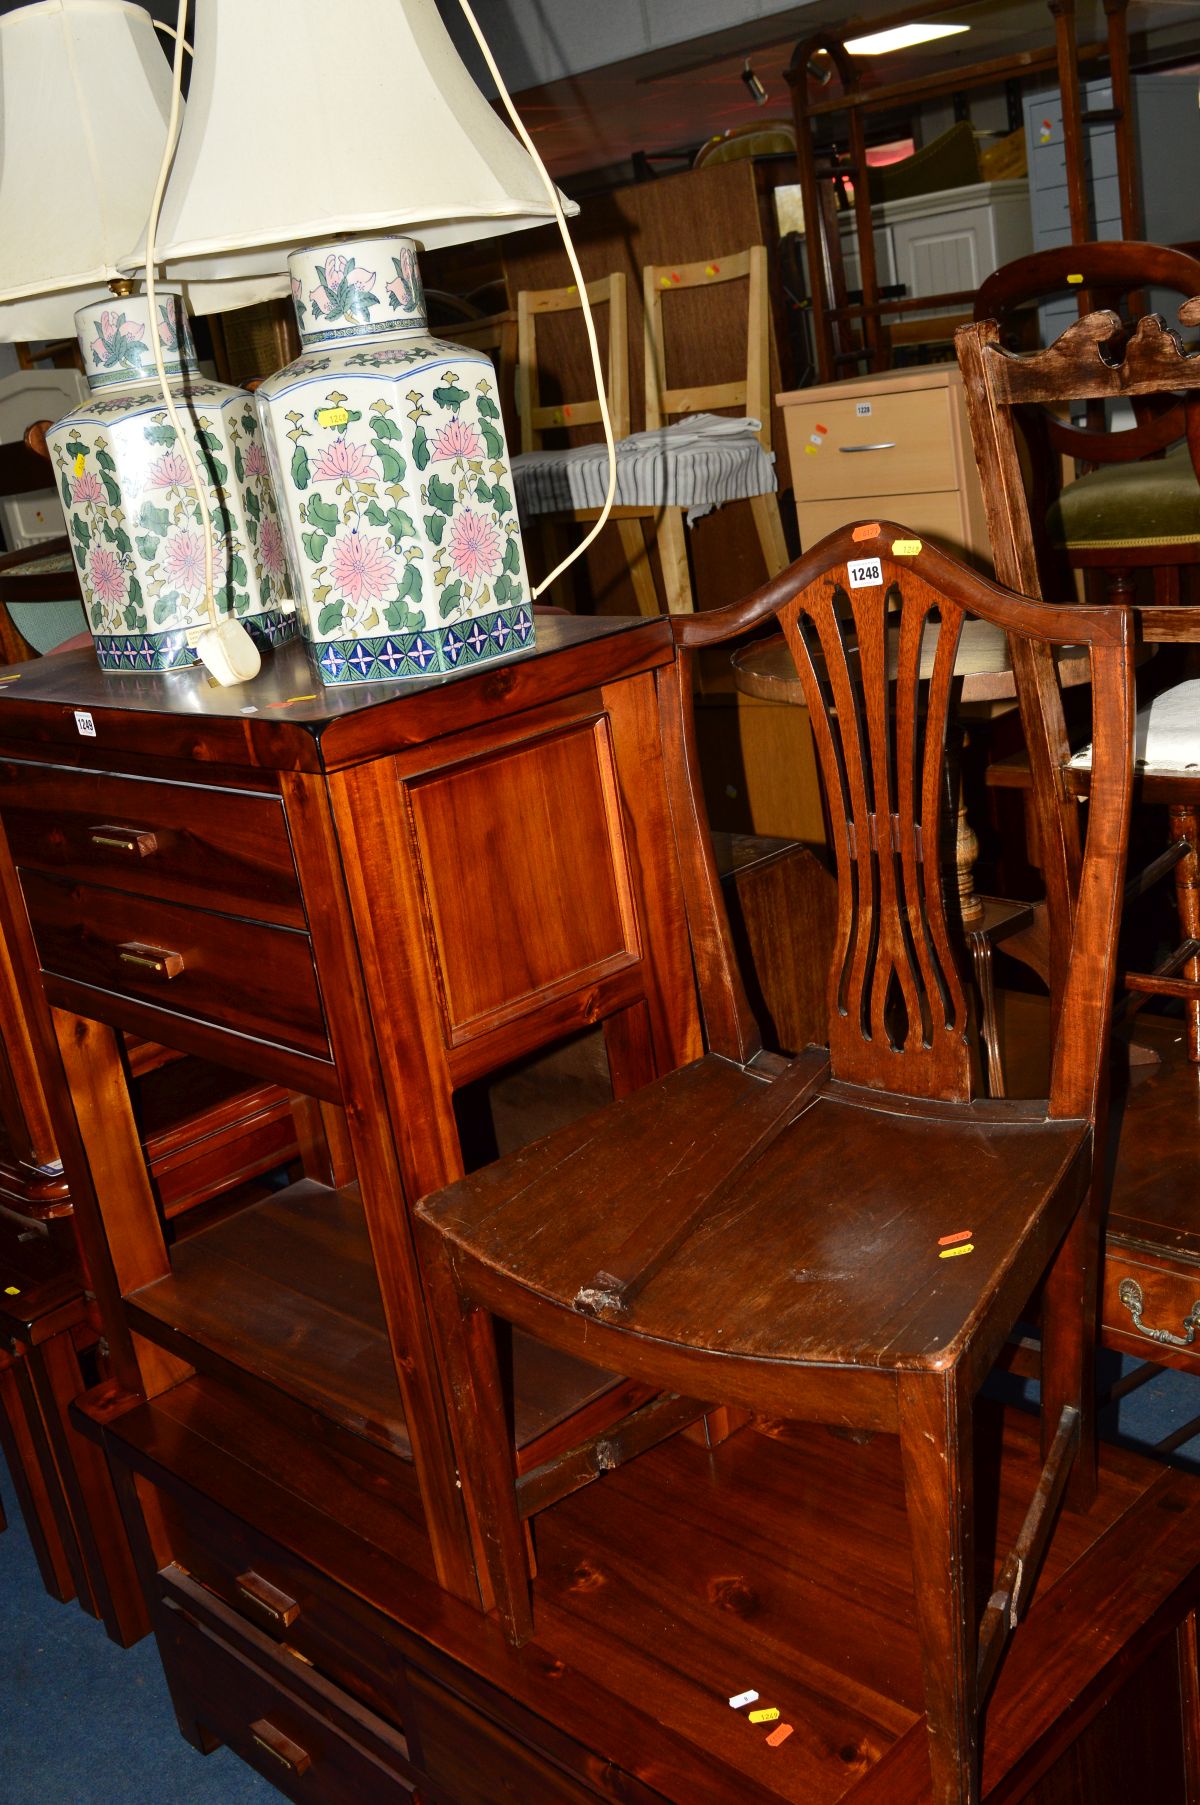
(83, 1722)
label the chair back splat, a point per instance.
(876, 661)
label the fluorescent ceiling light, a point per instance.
(901, 37)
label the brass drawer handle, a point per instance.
(275, 1607)
(883, 445)
(280, 1747)
(136, 840)
(1130, 1294)
(154, 961)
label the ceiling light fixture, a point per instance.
(900, 37)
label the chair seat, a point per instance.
(1166, 733)
(1150, 503)
(783, 1268)
(699, 463)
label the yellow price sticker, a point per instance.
(905, 548)
(12, 1290)
(78, 465)
(1075, 280)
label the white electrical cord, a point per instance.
(589, 322)
(224, 646)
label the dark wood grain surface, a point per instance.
(777, 1562)
(286, 719)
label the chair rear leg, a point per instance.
(1185, 826)
(769, 527)
(1069, 1343)
(935, 1441)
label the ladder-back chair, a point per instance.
(1101, 359)
(748, 391)
(540, 416)
(849, 1236)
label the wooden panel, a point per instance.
(158, 839)
(911, 429)
(938, 515)
(310, 1740)
(233, 974)
(523, 901)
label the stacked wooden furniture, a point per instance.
(380, 898)
(848, 334)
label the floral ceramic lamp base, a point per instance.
(393, 477)
(132, 512)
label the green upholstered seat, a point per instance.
(1156, 502)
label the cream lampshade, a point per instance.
(304, 121)
(84, 94)
(328, 129)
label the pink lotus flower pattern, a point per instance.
(168, 331)
(403, 292)
(107, 577)
(184, 561)
(169, 471)
(256, 460)
(270, 547)
(118, 340)
(346, 290)
(87, 487)
(360, 569)
(475, 545)
(457, 439)
(344, 458)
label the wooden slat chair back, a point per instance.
(1099, 359)
(767, 1235)
(748, 391)
(539, 417)
(1129, 507)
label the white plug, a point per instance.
(228, 652)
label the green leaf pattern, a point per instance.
(116, 473)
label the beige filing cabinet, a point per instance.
(894, 447)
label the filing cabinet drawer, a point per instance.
(1147, 1307)
(230, 974)
(309, 1739)
(938, 515)
(903, 445)
(157, 839)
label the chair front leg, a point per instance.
(936, 1445)
(465, 1338)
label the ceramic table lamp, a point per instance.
(135, 526)
(388, 447)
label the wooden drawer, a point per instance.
(1166, 1294)
(285, 1599)
(938, 514)
(912, 428)
(238, 975)
(467, 1760)
(175, 841)
(307, 1737)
